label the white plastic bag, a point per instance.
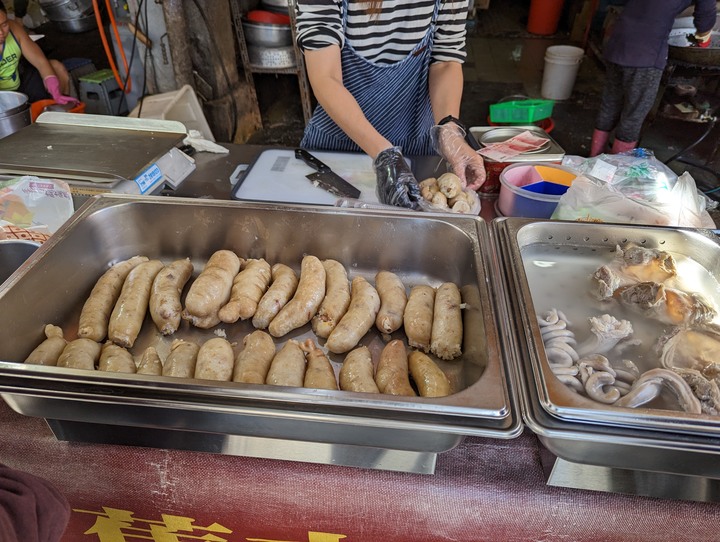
(35, 203)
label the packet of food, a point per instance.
(31, 202)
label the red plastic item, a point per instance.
(544, 16)
(262, 16)
(38, 107)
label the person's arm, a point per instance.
(325, 74)
(31, 50)
(446, 87)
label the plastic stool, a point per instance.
(101, 94)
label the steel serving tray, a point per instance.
(549, 264)
(52, 285)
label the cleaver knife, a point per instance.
(326, 178)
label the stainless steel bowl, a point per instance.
(267, 34)
(13, 253)
(14, 112)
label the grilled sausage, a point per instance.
(428, 377)
(283, 286)
(181, 360)
(211, 290)
(132, 305)
(96, 310)
(48, 351)
(336, 300)
(116, 359)
(359, 318)
(80, 354)
(150, 363)
(165, 305)
(304, 304)
(418, 317)
(392, 301)
(447, 326)
(287, 367)
(356, 373)
(392, 376)
(247, 290)
(215, 360)
(319, 373)
(253, 362)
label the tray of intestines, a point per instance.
(627, 323)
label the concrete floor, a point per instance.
(503, 60)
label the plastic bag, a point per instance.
(632, 188)
(36, 204)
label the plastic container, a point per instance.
(561, 67)
(544, 16)
(521, 112)
(41, 105)
(181, 105)
(533, 190)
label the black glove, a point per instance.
(396, 184)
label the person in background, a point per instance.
(636, 54)
(31, 509)
(25, 68)
(388, 80)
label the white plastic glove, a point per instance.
(449, 142)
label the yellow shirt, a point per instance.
(9, 61)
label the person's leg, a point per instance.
(31, 84)
(610, 109)
(641, 86)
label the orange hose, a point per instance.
(106, 46)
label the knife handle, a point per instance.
(310, 160)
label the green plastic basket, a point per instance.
(521, 112)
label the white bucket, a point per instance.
(561, 67)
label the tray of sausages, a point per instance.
(213, 316)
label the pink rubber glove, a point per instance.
(449, 142)
(52, 84)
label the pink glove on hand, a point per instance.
(52, 84)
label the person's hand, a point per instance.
(449, 142)
(704, 39)
(52, 84)
(396, 184)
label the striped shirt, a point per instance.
(388, 37)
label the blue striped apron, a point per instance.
(395, 99)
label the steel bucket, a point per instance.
(14, 112)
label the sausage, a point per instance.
(247, 290)
(283, 286)
(336, 300)
(48, 351)
(319, 373)
(304, 304)
(96, 310)
(392, 374)
(116, 359)
(428, 377)
(215, 360)
(129, 313)
(165, 306)
(181, 360)
(211, 290)
(253, 362)
(287, 367)
(80, 354)
(359, 318)
(150, 363)
(356, 373)
(392, 301)
(418, 317)
(447, 326)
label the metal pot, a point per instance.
(13, 253)
(70, 16)
(681, 50)
(267, 34)
(14, 112)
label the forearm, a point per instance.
(325, 75)
(446, 87)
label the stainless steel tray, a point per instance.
(427, 248)
(645, 439)
(549, 152)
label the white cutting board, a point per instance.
(276, 175)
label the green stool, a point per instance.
(101, 94)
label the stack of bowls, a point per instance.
(269, 39)
(14, 112)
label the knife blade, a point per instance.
(326, 178)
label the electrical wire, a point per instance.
(224, 70)
(98, 18)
